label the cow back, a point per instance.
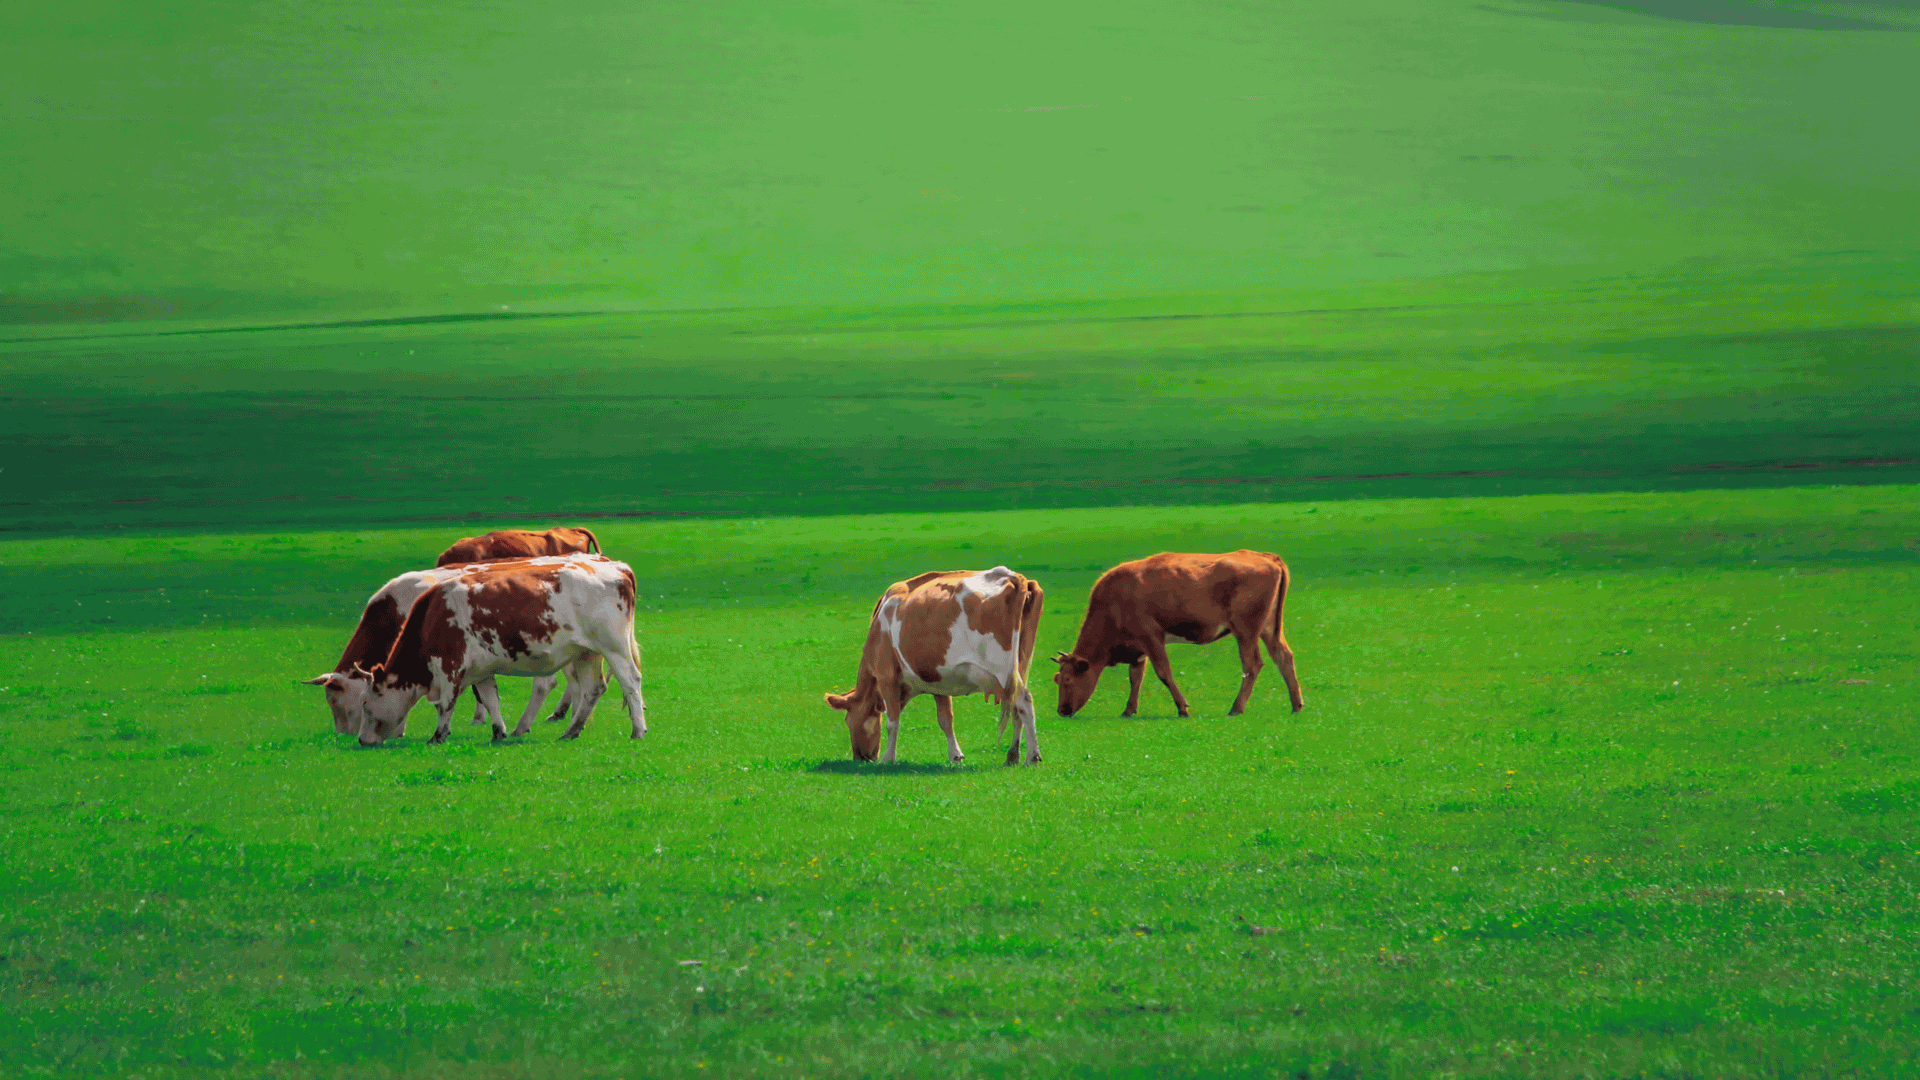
(520, 544)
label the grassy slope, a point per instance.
(1519, 382)
(254, 160)
(1633, 723)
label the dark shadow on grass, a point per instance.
(898, 768)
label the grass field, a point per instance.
(252, 161)
(1595, 785)
(1482, 384)
(1565, 349)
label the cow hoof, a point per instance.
(438, 738)
(1235, 712)
(1297, 708)
(1126, 714)
(1183, 714)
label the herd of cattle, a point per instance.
(536, 603)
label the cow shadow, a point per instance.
(843, 767)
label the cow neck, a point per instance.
(1098, 633)
(373, 639)
(407, 661)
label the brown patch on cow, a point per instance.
(373, 639)
(929, 604)
(429, 633)
(998, 614)
(514, 605)
(519, 544)
(627, 590)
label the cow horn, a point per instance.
(362, 672)
(1059, 657)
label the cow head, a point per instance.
(375, 701)
(863, 721)
(1076, 678)
(345, 697)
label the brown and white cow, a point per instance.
(373, 638)
(523, 617)
(1137, 607)
(519, 544)
(947, 633)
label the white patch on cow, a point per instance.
(975, 663)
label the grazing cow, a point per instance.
(947, 634)
(380, 623)
(519, 544)
(1137, 607)
(521, 617)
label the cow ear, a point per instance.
(1081, 665)
(838, 701)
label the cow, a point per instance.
(380, 623)
(521, 617)
(947, 633)
(1137, 607)
(519, 544)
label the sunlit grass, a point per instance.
(1592, 785)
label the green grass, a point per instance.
(1483, 384)
(269, 159)
(1598, 785)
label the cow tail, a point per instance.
(1022, 657)
(1280, 601)
(593, 542)
(1018, 678)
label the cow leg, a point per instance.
(628, 674)
(598, 673)
(584, 687)
(893, 730)
(489, 692)
(542, 686)
(1157, 655)
(1277, 647)
(1135, 672)
(943, 711)
(479, 707)
(445, 726)
(1026, 716)
(1249, 671)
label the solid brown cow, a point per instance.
(947, 633)
(519, 544)
(1137, 607)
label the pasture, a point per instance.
(1587, 785)
(1564, 349)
